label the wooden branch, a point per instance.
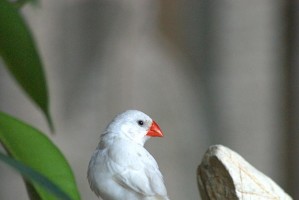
(224, 174)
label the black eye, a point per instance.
(140, 122)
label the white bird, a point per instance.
(120, 167)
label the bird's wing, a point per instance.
(138, 172)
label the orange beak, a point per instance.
(154, 130)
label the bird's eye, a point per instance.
(140, 122)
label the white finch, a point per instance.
(121, 168)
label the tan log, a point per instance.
(225, 175)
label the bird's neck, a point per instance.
(109, 138)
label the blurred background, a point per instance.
(208, 71)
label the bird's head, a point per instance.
(134, 125)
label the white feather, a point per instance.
(120, 167)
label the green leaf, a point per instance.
(33, 176)
(20, 55)
(21, 3)
(36, 151)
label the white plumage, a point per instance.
(121, 168)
